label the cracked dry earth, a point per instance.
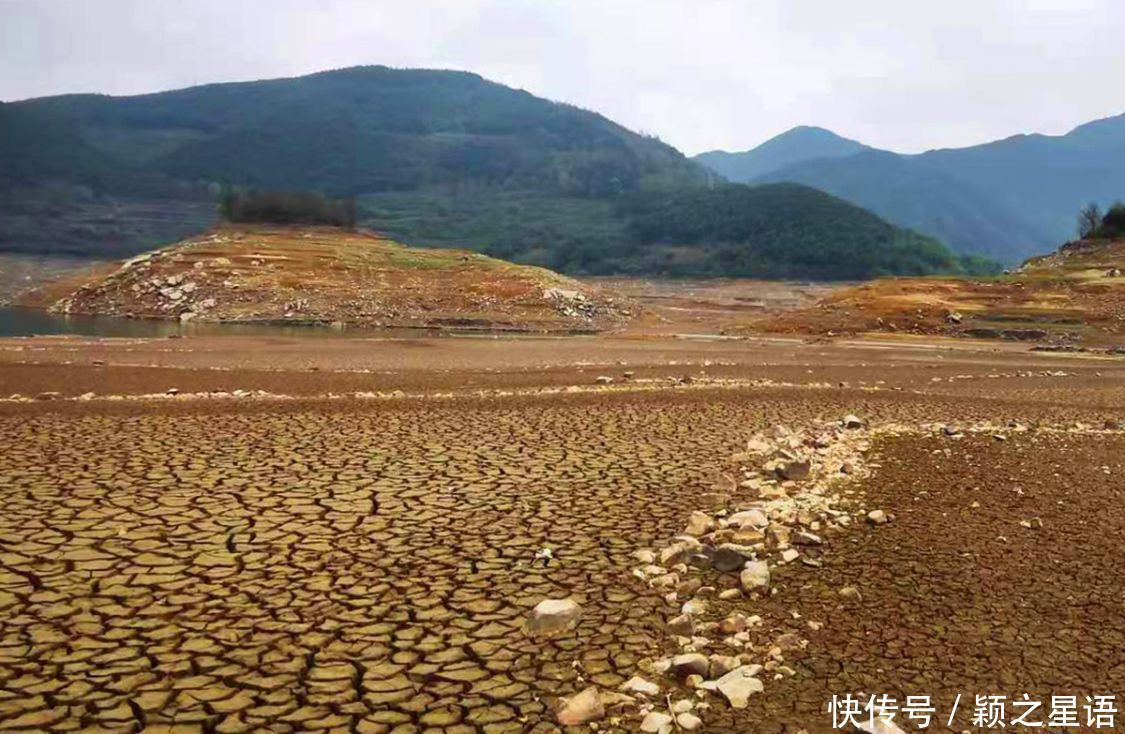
(356, 566)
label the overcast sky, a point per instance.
(907, 75)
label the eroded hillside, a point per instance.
(1076, 294)
(332, 276)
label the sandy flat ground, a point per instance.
(351, 549)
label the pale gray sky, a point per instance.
(901, 74)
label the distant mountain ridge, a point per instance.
(793, 146)
(1008, 199)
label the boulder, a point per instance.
(552, 617)
(877, 517)
(581, 709)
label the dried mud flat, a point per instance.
(300, 561)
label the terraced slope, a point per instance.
(331, 276)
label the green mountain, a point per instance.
(432, 158)
(1008, 199)
(793, 146)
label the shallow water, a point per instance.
(16, 321)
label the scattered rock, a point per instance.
(749, 518)
(805, 538)
(738, 685)
(852, 422)
(551, 617)
(581, 709)
(733, 624)
(689, 721)
(878, 726)
(682, 626)
(691, 663)
(699, 523)
(639, 685)
(877, 517)
(604, 380)
(656, 722)
(723, 664)
(729, 557)
(850, 593)
(645, 556)
(794, 470)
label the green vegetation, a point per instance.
(434, 158)
(783, 230)
(1007, 199)
(285, 207)
(362, 130)
(1092, 224)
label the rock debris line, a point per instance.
(804, 488)
(380, 569)
(640, 385)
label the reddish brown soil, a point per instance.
(1075, 295)
(328, 275)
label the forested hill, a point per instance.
(728, 230)
(351, 131)
(432, 158)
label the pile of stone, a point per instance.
(785, 494)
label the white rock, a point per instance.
(756, 575)
(551, 617)
(877, 517)
(656, 722)
(682, 706)
(581, 709)
(749, 518)
(644, 556)
(738, 685)
(789, 555)
(636, 684)
(689, 721)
